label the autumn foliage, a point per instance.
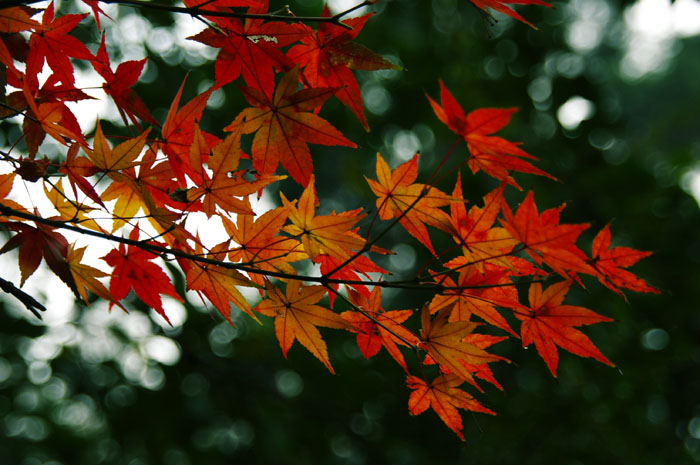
(506, 274)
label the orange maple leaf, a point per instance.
(481, 242)
(495, 155)
(285, 125)
(6, 181)
(297, 318)
(178, 132)
(261, 246)
(482, 291)
(445, 398)
(227, 188)
(331, 234)
(86, 277)
(549, 324)
(444, 342)
(415, 204)
(118, 158)
(17, 19)
(219, 284)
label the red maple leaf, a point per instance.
(499, 5)
(178, 133)
(329, 55)
(37, 243)
(495, 155)
(118, 85)
(377, 328)
(133, 268)
(547, 240)
(610, 261)
(53, 44)
(549, 324)
(250, 48)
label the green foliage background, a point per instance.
(233, 398)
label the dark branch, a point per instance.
(28, 301)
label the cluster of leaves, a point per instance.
(168, 171)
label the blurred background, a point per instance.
(609, 100)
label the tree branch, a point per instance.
(197, 11)
(28, 301)
(162, 251)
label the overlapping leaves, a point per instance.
(152, 184)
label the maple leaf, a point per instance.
(260, 244)
(128, 198)
(118, 84)
(445, 398)
(547, 240)
(44, 109)
(500, 6)
(17, 19)
(481, 242)
(329, 234)
(51, 117)
(444, 342)
(37, 243)
(285, 125)
(481, 291)
(219, 284)
(483, 370)
(178, 132)
(96, 11)
(226, 184)
(120, 157)
(250, 48)
(86, 277)
(77, 169)
(348, 271)
(328, 55)
(610, 261)
(549, 324)
(6, 181)
(133, 268)
(157, 177)
(494, 155)
(297, 318)
(377, 327)
(415, 204)
(53, 44)
(70, 210)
